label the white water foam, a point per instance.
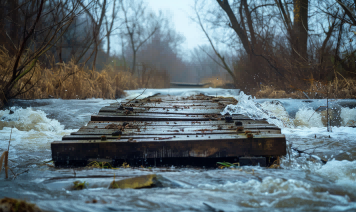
(308, 117)
(279, 191)
(342, 172)
(274, 112)
(181, 92)
(348, 116)
(29, 130)
(305, 127)
(28, 119)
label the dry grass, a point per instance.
(338, 88)
(215, 82)
(273, 92)
(68, 81)
(71, 81)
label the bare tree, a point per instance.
(140, 25)
(246, 28)
(349, 9)
(29, 48)
(97, 17)
(221, 59)
(110, 24)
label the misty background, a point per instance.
(294, 46)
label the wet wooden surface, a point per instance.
(170, 127)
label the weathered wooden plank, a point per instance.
(103, 124)
(149, 138)
(173, 131)
(167, 137)
(168, 125)
(190, 111)
(228, 146)
(161, 117)
(197, 101)
(171, 104)
(196, 98)
(162, 107)
(200, 97)
(164, 126)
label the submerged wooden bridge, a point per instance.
(168, 130)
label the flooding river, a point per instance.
(302, 183)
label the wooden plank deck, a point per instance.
(167, 130)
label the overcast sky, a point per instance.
(181, 11)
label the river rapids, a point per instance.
(302, 183)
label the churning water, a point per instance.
(303, 183)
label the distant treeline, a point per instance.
(297, 46)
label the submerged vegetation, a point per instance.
(227, 165)
(15, 205)
(145, 181)
(79, 185)
(100, 165)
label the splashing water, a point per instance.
(308, 118)
(28, 119)
(273, 111)
(348, 116)
(302, 184)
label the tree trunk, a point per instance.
(133, 63)
(95, 55)
(108, 46)
(235, 25)
(97, 33)
(300, 30)
(60, 51)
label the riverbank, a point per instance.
(339, 88)
(75, 81)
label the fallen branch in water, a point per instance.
(137, 96)
(315, 111)
(211, 208)
(310, 154)
(318, 146)
(5, 158)
(17, 174)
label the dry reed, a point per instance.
(71, 81)
(68, 81)
(214, 82)
(338, 88)
(4, 160)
